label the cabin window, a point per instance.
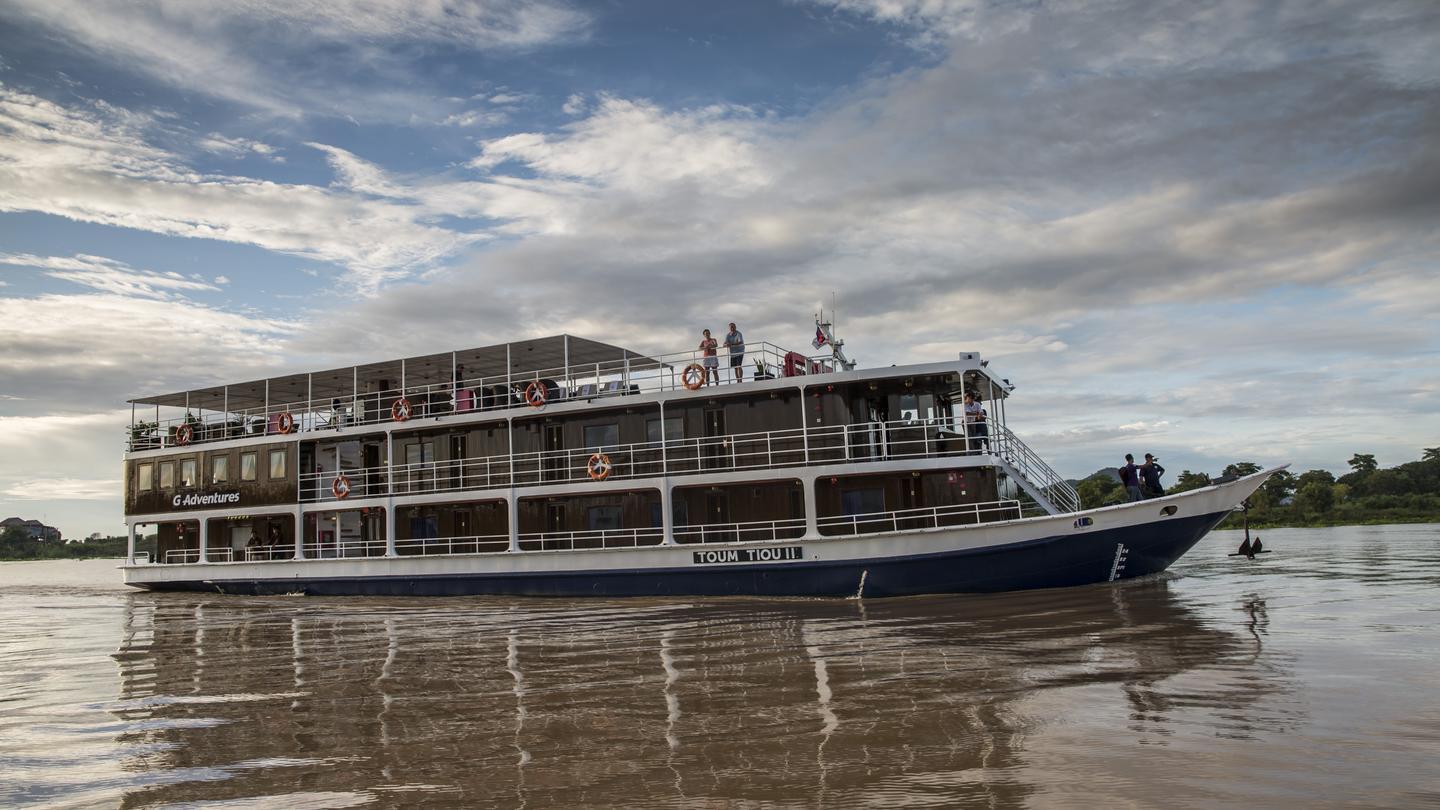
(420, 453)
(219, 469)
(167, 475)
(248, 465)
(604, 517)
(277, 465)
(187, 473)
(862, 501)
(674, 429)
(147, 477)
(602, 435)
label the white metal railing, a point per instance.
(1025, 461)
(595, 538)
(751, 532)
(182, 555)
(926, 518)
(828, 444)
(140, 558)
(472, 544)
(796, 447)
(586, 382)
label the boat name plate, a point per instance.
(749, 555)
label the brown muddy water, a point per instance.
(1305, 679)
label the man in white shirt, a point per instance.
(975, 426)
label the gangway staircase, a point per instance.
(1036, 478)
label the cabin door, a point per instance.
(456, 469)
(717, 450)
(554, 464)
(717, 513)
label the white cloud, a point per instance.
(64, 489)
(94, 165)
(258, 53)
(107, 275)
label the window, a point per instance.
(248, 464)
(167, 475)
(420, 453)
(147, 477)
(277, 465)
(219, 469)
(674, 429)
(862, 501)
(602, 435)
(603, 517)
(187, 473)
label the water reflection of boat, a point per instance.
(477, 703)
(567, 467)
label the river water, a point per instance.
(1305, 678)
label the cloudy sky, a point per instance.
(1208, 229)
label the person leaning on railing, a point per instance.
(975, 426)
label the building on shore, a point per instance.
(36, 529)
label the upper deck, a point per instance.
(559, 370)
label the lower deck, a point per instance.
(627, 517)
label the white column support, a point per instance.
(512, 503)
(310, 398)
(804, 424)
(667, 505)
(565, 342)
(204, 539)
(299, 531)
(807, 488)
(389, 491)
(130, 543)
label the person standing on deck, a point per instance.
(1150, 473)
(975, 426)
(1130, 477)
(735, 342)
(711, 362)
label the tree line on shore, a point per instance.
(1405, 493)
(17, 544)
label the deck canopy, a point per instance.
(551, 354)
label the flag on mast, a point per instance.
(819, 338)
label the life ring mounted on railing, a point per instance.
(535, 394)
(401, 410)
(340, 488)
(693, 376)
(599, 467)
(285, 423)
(184, 434)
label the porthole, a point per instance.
(1169, 510)
(1081, 523)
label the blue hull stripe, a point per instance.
(1071, 559)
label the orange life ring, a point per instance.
(184, 434)
(400, 411)
(340, 488)
(599, 467)
(535, 395)
(285, 422)
(693, 376)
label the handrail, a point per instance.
(594, 538)
(563, 383)
(827, 444)
(922, 518)
(749, 532)
(1029, 464)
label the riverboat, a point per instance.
(563, 466)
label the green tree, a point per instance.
(1315, 497)
(1386, 482)
(1190, 480)
(1241, 468)
(1277, 488)
(1098, 490)
(1363, 463)
(1430, 454)
(1314, 476)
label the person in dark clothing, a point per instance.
(1130, 477)
(1150, 473)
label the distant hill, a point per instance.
(1104, 474)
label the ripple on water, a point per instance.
(1302, 677)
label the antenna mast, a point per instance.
(825, 336)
